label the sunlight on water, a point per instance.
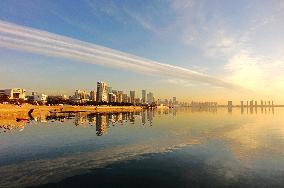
(239, 147)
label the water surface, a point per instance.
(181, 147)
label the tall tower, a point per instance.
(101, 92)
(143, 96)
(132, 97)
(174, 101)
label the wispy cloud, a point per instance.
(41, 42)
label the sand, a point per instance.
(9, 113)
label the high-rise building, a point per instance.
(101, 92)
(132, 97)
(143, 96)
(109, 89)
(230, 104)
(119, 96)
(80, 94)
(174, 101)
(124, 98)
(93, 95)
(150, 98)
(111, 97)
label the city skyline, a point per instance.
(194, 50)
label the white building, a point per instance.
(15, 93)
(101, 92)
(39, 97)
(119, 96)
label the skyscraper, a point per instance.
(132, 97)
(101, 92)
(124, 98)
(109, 89)
(93, 95)
(143, 96)
(174, 101)
(119, 96)
(150, 98)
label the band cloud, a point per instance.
(32, 40)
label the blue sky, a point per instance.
(240, 42)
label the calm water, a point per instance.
(163, 148)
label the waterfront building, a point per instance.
(166, 102)
(39, 97)
(143, 96)
(124, 98)
(119, 96)
(80, 96)
(101, 92)
(170, 102)
(251, 103)
(174, 101)
(111, 97)
(14, 93)
(137, 101)
(93, 95)
(150, 98)
(230, 104)
(132, 97)
(109, 89)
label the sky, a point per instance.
(215, 50)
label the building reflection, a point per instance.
(104, 121)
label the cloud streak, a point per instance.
(27, 39)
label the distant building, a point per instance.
(39, 97)
(119, 96)
(132, 97)
(109, 89)
(251, 103)
(137, 101)
(80, 96)
(143, 100)
(101, 92)
(174, 101)
(111, 97)
(93, 95)
(230, 104)
(150, 98)
(124, 98)
(166, 102)
(15, 93)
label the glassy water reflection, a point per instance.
(163, 148)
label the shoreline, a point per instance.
(11, 112)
